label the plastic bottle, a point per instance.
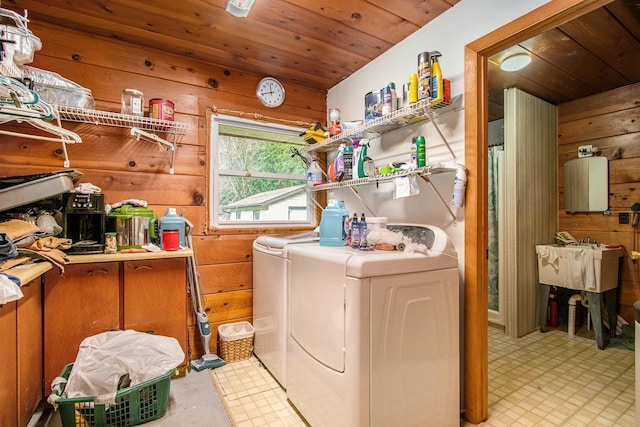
(413, 88)
(363, 232)
(347, 156)
(361, 159)
(437, 91)
(332, 225)
(459, 185)
(314, 174)
(421, 152)
(172, 221)
(412, 152)
(355, 232)
(334, 121)
(338, 165)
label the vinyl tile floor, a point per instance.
(551, 379)
(542, 379)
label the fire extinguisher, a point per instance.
(553, 309)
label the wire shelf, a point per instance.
(416, 113)
(427, 170)
(107, 118)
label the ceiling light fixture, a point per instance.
(515, 62)
(239, 8)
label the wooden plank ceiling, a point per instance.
(312, 43)
(595, 53)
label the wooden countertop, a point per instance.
(28, 272)
(83, 259)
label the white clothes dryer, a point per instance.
(374, 336)
(270, 271)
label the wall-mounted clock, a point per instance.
(270, 92)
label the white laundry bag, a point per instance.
(107, 360)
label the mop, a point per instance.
(208, 360)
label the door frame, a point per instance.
(476, 91)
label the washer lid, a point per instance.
(278, 242)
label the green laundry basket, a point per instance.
(134, 405)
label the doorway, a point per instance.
(548, 16)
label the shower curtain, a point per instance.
(493, 226)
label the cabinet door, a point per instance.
(81, 303)
(8, 357)
(155, 297)
(29, 350)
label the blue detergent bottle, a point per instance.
(333, 223)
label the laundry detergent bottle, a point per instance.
(332, 225)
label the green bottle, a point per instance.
(421, 152)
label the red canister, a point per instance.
(161, 109)
(170, 240)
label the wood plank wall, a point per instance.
(124, 168)
(611, 122)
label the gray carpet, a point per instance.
(193, 401)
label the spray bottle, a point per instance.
(437, 91)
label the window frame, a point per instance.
(214, 175)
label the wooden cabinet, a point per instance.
(84, 301)
(145, 295)
(155, 297)
(29, 349)
(9, 358)
(21, 356)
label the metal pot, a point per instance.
(134, 226)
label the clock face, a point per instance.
(270, 92)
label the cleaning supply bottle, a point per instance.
(437, 91)
(413, 88)
(355, 232)
(347, 156)
(424, 75)
(332, 225)
(314, 174)
(412, 153)
(363, 232)
(336, 171)
(359, 170)
(421, 152)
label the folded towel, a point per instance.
(17, 228)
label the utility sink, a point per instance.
(586, 267)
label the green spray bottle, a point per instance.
(421, 152)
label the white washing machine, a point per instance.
(374, 336)
(270, 271)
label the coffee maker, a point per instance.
(83, 217)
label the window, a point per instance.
(255, 178)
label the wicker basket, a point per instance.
(235, 341)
